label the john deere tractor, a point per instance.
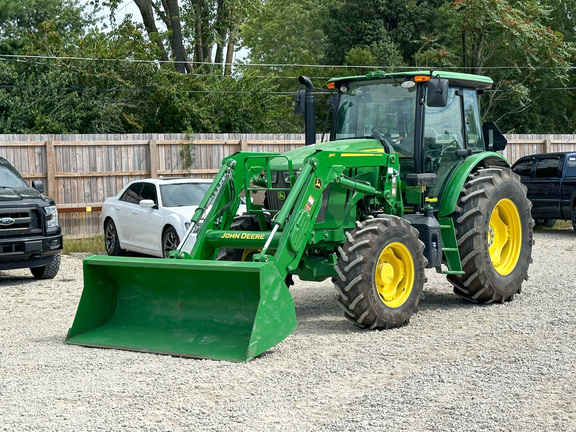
(410, 179)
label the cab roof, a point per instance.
(457, 79)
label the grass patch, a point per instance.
(559, 225)
(563, 224)
(93, 244)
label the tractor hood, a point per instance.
(299, 155)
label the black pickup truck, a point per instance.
(30, 233)
(551, 182)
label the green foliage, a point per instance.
(391, 29)
(74, 77)
(286, 32)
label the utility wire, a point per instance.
(278, 65)
(318, 91)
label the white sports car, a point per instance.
(150, 216)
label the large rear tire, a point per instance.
(494, 228)
(380, 273)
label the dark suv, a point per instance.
(551, 182)
(30, 233)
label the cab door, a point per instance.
(545, 186)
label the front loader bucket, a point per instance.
(208, 309)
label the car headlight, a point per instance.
(51, 216)
(196, 228)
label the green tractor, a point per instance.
(410, 179)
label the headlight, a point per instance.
(196, 228)
(51, 217)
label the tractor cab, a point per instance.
(431, 121)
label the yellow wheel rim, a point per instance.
(505, 236)
(248, 253)
(394, 275)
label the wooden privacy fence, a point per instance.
(80, 171)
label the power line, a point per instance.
(143, 90)
(318, 91)
(271, 65)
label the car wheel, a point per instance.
(111, 240)
(170, 241)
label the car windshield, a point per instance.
(379, 109)
(10, 178)
(183, 194)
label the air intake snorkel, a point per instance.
(306, 105)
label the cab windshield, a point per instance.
(381, 109)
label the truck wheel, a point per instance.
(494, 230)
(548, 223)
(574, 218)
(49, 271)
(111, 241)
(380, 273)
(170, 241)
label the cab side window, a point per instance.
(443, 125)
(472, 121)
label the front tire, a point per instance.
(244, 222)
(170, 241)
(48, 271)
(380, 273)
(494, 231)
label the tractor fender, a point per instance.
(460, 175)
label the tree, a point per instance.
(388, 31)
(187, 31)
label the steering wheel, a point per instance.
(383, 134)
(379, 130)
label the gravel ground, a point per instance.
(456, 367)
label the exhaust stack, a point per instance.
(309, 111)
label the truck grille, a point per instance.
(16, 222)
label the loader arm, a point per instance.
(293, 226)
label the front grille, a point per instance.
(275, 198)
(27, 221)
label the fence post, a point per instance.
(244, 144)
(153, 149)
(51, 169)
(548, 144)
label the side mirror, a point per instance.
(494, 140)
(147, 203)
(437, 95)
(38, 185)
(300, 103)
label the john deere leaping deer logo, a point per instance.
(281, 195)
(318, 183)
